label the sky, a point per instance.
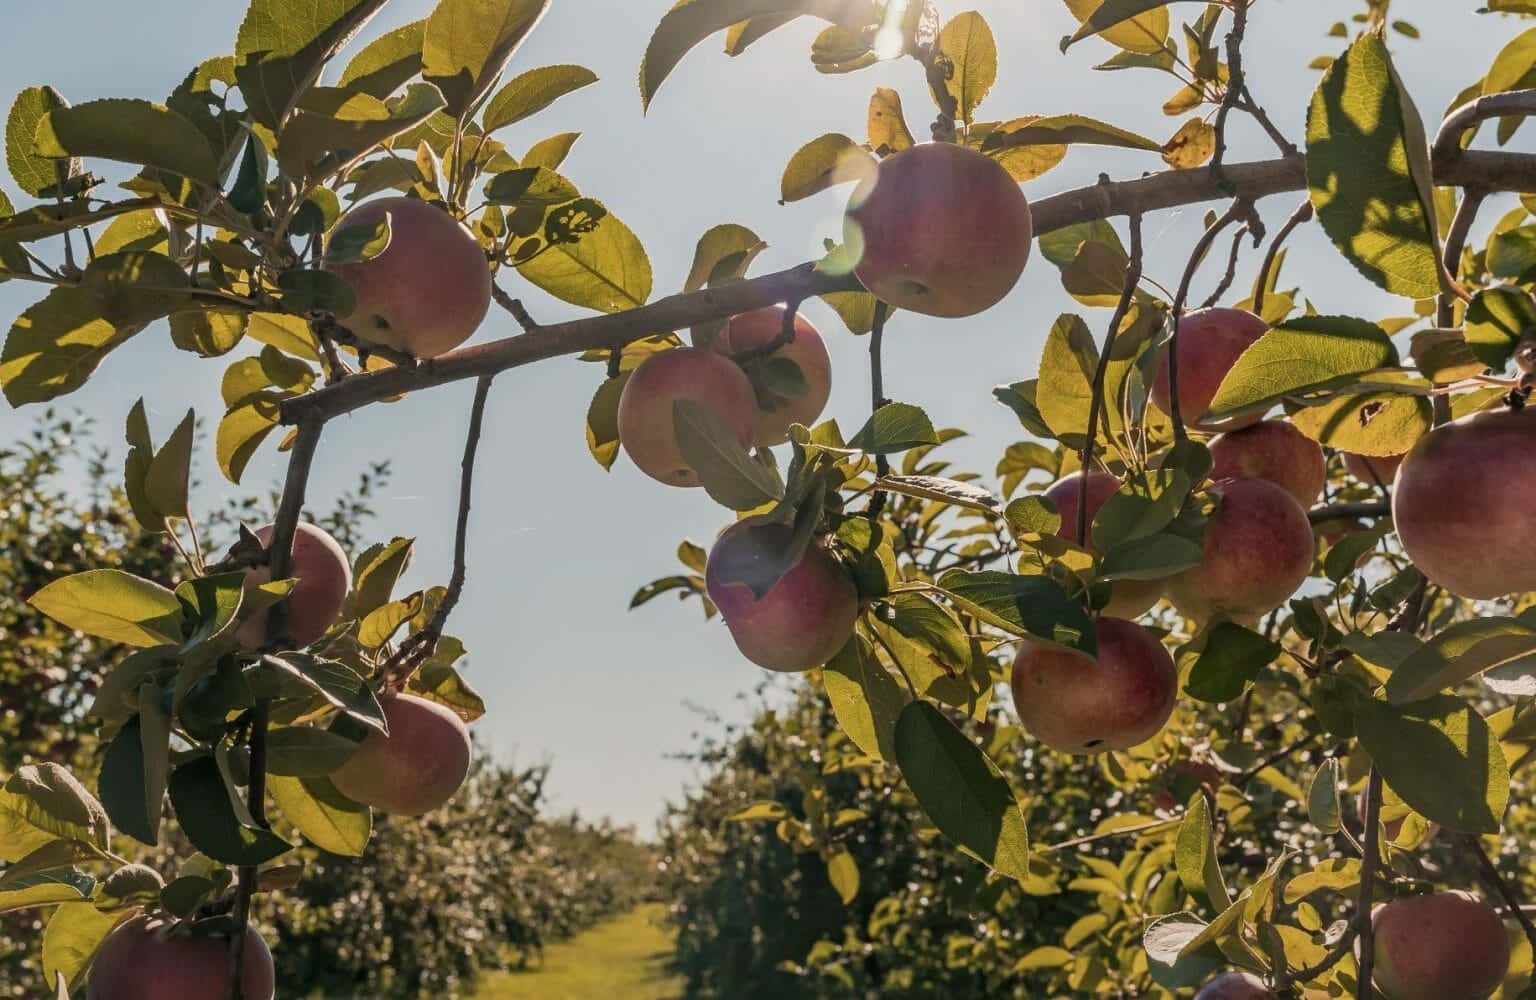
(557, 545)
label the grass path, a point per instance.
(623, 957)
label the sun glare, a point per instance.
(888, 40)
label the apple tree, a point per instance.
(1153, 548)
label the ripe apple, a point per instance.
(324, 578)
(430, 288)
(417, 767)
(1448, 946)
(646, 429)
(803, 619)
(138, 961)
(1210, 342)
(1128, 598)
(1257, 551)
(1462, 504)
(1235, 986)
(1373, 470)
(939, 229)
(1276, 451)
(1074, 703)
(808, 351)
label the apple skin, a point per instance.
(1276, 451)
(774, 414)
(1373, 470)
(1128, 598)
(1462, 504)
(417, 767)
(646, 430)
(324, 581)
(939, 229)
(803, 620)
(1076, 704)
(133, 963)
(1235, 986)
(1258, 549)
(1210, 342)
(430, 288)
(1448, 946)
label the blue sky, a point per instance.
(558, 545)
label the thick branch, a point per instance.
(1486, 171)
(1455, 243)
(1367, 898)
(1447, 148)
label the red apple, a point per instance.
(1128, 598)
(1257, 551)
(1276, 451)
(1210, 342)
(139, 961)
(803, 619)
(430, 288)
(1235, 986)
(1449, 946)
(324, 578)
(1373, 470)
(1075, 703)
(646, 428)
(1462, 504)
(939, 229)
(417, 767)
(775, 412)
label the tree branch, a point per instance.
(1487, 171)
(1101, 372)
(1341, 511)
(1368, 885)
(1455, 243)
(1234, 82)
(1302, 214)
(1447, 150)
(1501, 885)
(877, 400)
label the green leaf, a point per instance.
(42, 802)
(961, 790)
(284, 44)
(331, 680)
(440, 682)
(1196, 856)
(529, 93)
(34, 173)
(1154, 557)
(929, 624)
(605, 269)
(1496, 321)
(942, 490)
(125, 786)
(1134, 25)
(1462, 651)
(689, 22)
(74, 932)
(1323, 798)
(765, 810)
(1369, 175)
(1022, 605)
(58, 342)
(730, 246)
(306, 751)
(375, 574)
(1061, 130)
(1231, 658)
(324, 816)
(170, 471)
(895, 427)
(243, 429)
(843, 873)
(206, 333)
(728, 473)
(866, 699)
(129, 131)
(967, 43)
(1370, 423)
(114, 605)
(51, 856)
(46, 889)
(331, 126)
(1439, 756)
(824, 162)
(208, 818)
(383, 622)
(1141, 508)
(469, 42)
(551, 152)
(1304, 354)
(387, 62)
(290, 334)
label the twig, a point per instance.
(1340, 511)
(515, 307)
(1248, 104)
(326, 326)
(1227, 279)
(1302, 215)
(1239, 208)
(877, 400)
(420, 647)
(1447, 150)
(1234, 84)
(786, 335)
(1502, 886)
(247, 874)
(1272, 760)
(1455, 242)
(1133, 268)
(1125, 832)
(1367, 960)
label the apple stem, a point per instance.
(1227, 279)
(1303, 214)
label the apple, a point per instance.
(1128, 598)
(808, 351)
(1373, 470)
(798, 623)
(1276, 451)
(324, 578)
(141, 961)
(1210, 342)
(1075, 703)
(646, 428)
(1235, 986)
(1448, 946)
(430, 288)
(1256, 552)
(1462, 504)
(417, 767)
(939, 229)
